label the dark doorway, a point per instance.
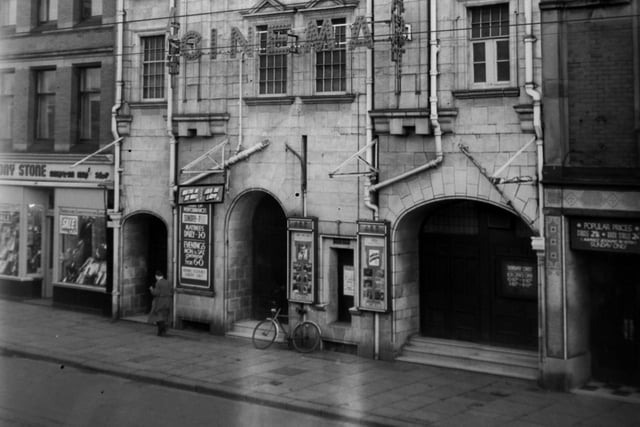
(478, 276)
(345, 274)
(615, 316)
(269, 258)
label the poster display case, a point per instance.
(9, 240)
(301, 255)
(194, 246)
(373, 252)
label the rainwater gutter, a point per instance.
(369, 154)
(116, 214)
(173, 147)
(538, 242)
(434, 48)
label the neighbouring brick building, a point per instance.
(374, 161)
(591, 88)
(56, 94)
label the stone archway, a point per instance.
(256, 261)
(144, 250)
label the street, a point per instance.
(36, 393)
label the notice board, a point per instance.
(195, 245)
(604, 234)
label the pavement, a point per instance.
(335, 385)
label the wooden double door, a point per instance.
(478, 276)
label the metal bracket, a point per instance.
(357, 155)
(217, 165)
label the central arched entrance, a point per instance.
(478, 278)
(257, 257)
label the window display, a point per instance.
(84, 250)
(9, 241)
(34, 239)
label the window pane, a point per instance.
(502, 50)
(8, 12)
(331, 64)
(503, 71)
(6, 104)
(34, 239)
(45, 108)
(153, 73)
(479, 52)
(479, 73)
(84, 250)
(9, 240)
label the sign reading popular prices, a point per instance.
(609, 235)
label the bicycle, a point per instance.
(305, 338)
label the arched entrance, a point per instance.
(144, 251)
(477, 276)
(257, 235)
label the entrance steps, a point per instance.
(244, 329)
(471, 357)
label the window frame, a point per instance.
(88, 94)
(490, 46)
(88, 9)
(8, 14)
(262, 35)
(47, 11)
(40, 97)
(342, 51)
(158, 61)
(7, 96)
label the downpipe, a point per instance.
(173, 147)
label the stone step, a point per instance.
(472, 357)
(244, 329)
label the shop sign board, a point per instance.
(194, 194)
(519, 279)
(301, 253)
(194, 245)
(608, 235)
(56, 172)
(373, 250)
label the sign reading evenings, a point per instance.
(195, 245)
(609, 235)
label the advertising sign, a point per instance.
(195, 245)
(201, 194)
(56, 172)
(373, 250)
(519, 279)
(301, 254)
(69, 224)
(609, 235)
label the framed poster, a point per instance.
(301, 253)
(194, 246)
(519, 278)
(373, 250)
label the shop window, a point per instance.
(6, 104)
(331, 62)
(272, 66)
(153, 63)
(47, 11)
(7, 12)
(45, 104)
(9, 240)
(90, 8)
(490, 48)
(346, 284)
(84, 250)
(35, 216)
(89, 113)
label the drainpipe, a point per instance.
(240, 100)
(116, 214)
(537, 242)
(173, 147)
(369, 154)
(434, 48)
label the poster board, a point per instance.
(605, 234)
(373, 262)
(519, 278)
(301, 256)
(194, 246)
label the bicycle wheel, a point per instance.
(306, 337)
(264, 334)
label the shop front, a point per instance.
(54, 240)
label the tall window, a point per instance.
(490, 44)
(89, 114)
(6, 103)
(7, 12)
(47, 10)
(45, 104)
(331, 64)
(89, 8)
(153, 67)
(273, 66)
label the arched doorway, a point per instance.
(144, 251)
(477, 276)
(257, 235)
